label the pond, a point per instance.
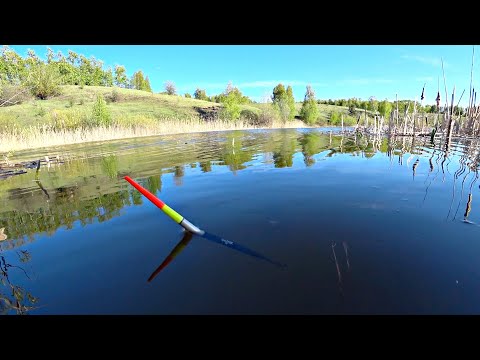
(305, 222)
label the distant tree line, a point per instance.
(373, 105)
(43, 77)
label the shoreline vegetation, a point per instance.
(37, 137)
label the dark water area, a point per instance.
(307, 223)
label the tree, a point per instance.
(385, 108)
(138, 81)
(309, 111)
(170, 87)
(280, 102)
(188, 96)
(146, 85)
(107, 78)
(231, 102)
(200, 94)
(120, 76)
(44, 81)
(372, 104)
(291, 102)
(100, 113)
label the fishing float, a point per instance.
(188, 226)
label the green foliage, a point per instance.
(120, 79)
(170, 87)
(280, 102)
(372, 104)
(146, 85)
(385, 108)
(250, 117)
(188, 96)
(309, 111)
(100, 113)
(107, 77)
(41, 111)
(291, 103)
(351, 109)
(231, 103)
(200, 94)
(44, 81)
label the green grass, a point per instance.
(134, 102)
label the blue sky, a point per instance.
(334, 71)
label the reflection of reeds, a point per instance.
(469, 207)
(336, 263)
(345, 247)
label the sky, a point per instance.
(333, 71)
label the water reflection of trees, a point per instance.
(65, 208)
(283, 157)
(14, 298)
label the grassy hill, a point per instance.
(129, 102)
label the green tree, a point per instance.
(107, 77)
(100, 113)
(44, 81)
(188, 96)
(280, 102)
(231, 103)
(138, 80)
(200, 94)
(372, 104)
(291, 103)
(121, 79)
(385, 108)
(146, 85)
(309, 111)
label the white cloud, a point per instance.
(433, 61)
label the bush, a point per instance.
(100, 113)
(188, 96)
(250, 117)
(114, 96)
(41, 112)
(44, 81)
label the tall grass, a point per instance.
(72, 127)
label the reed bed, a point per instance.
(47, 135)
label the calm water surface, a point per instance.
(345, 225)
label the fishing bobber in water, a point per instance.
(179, 219)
